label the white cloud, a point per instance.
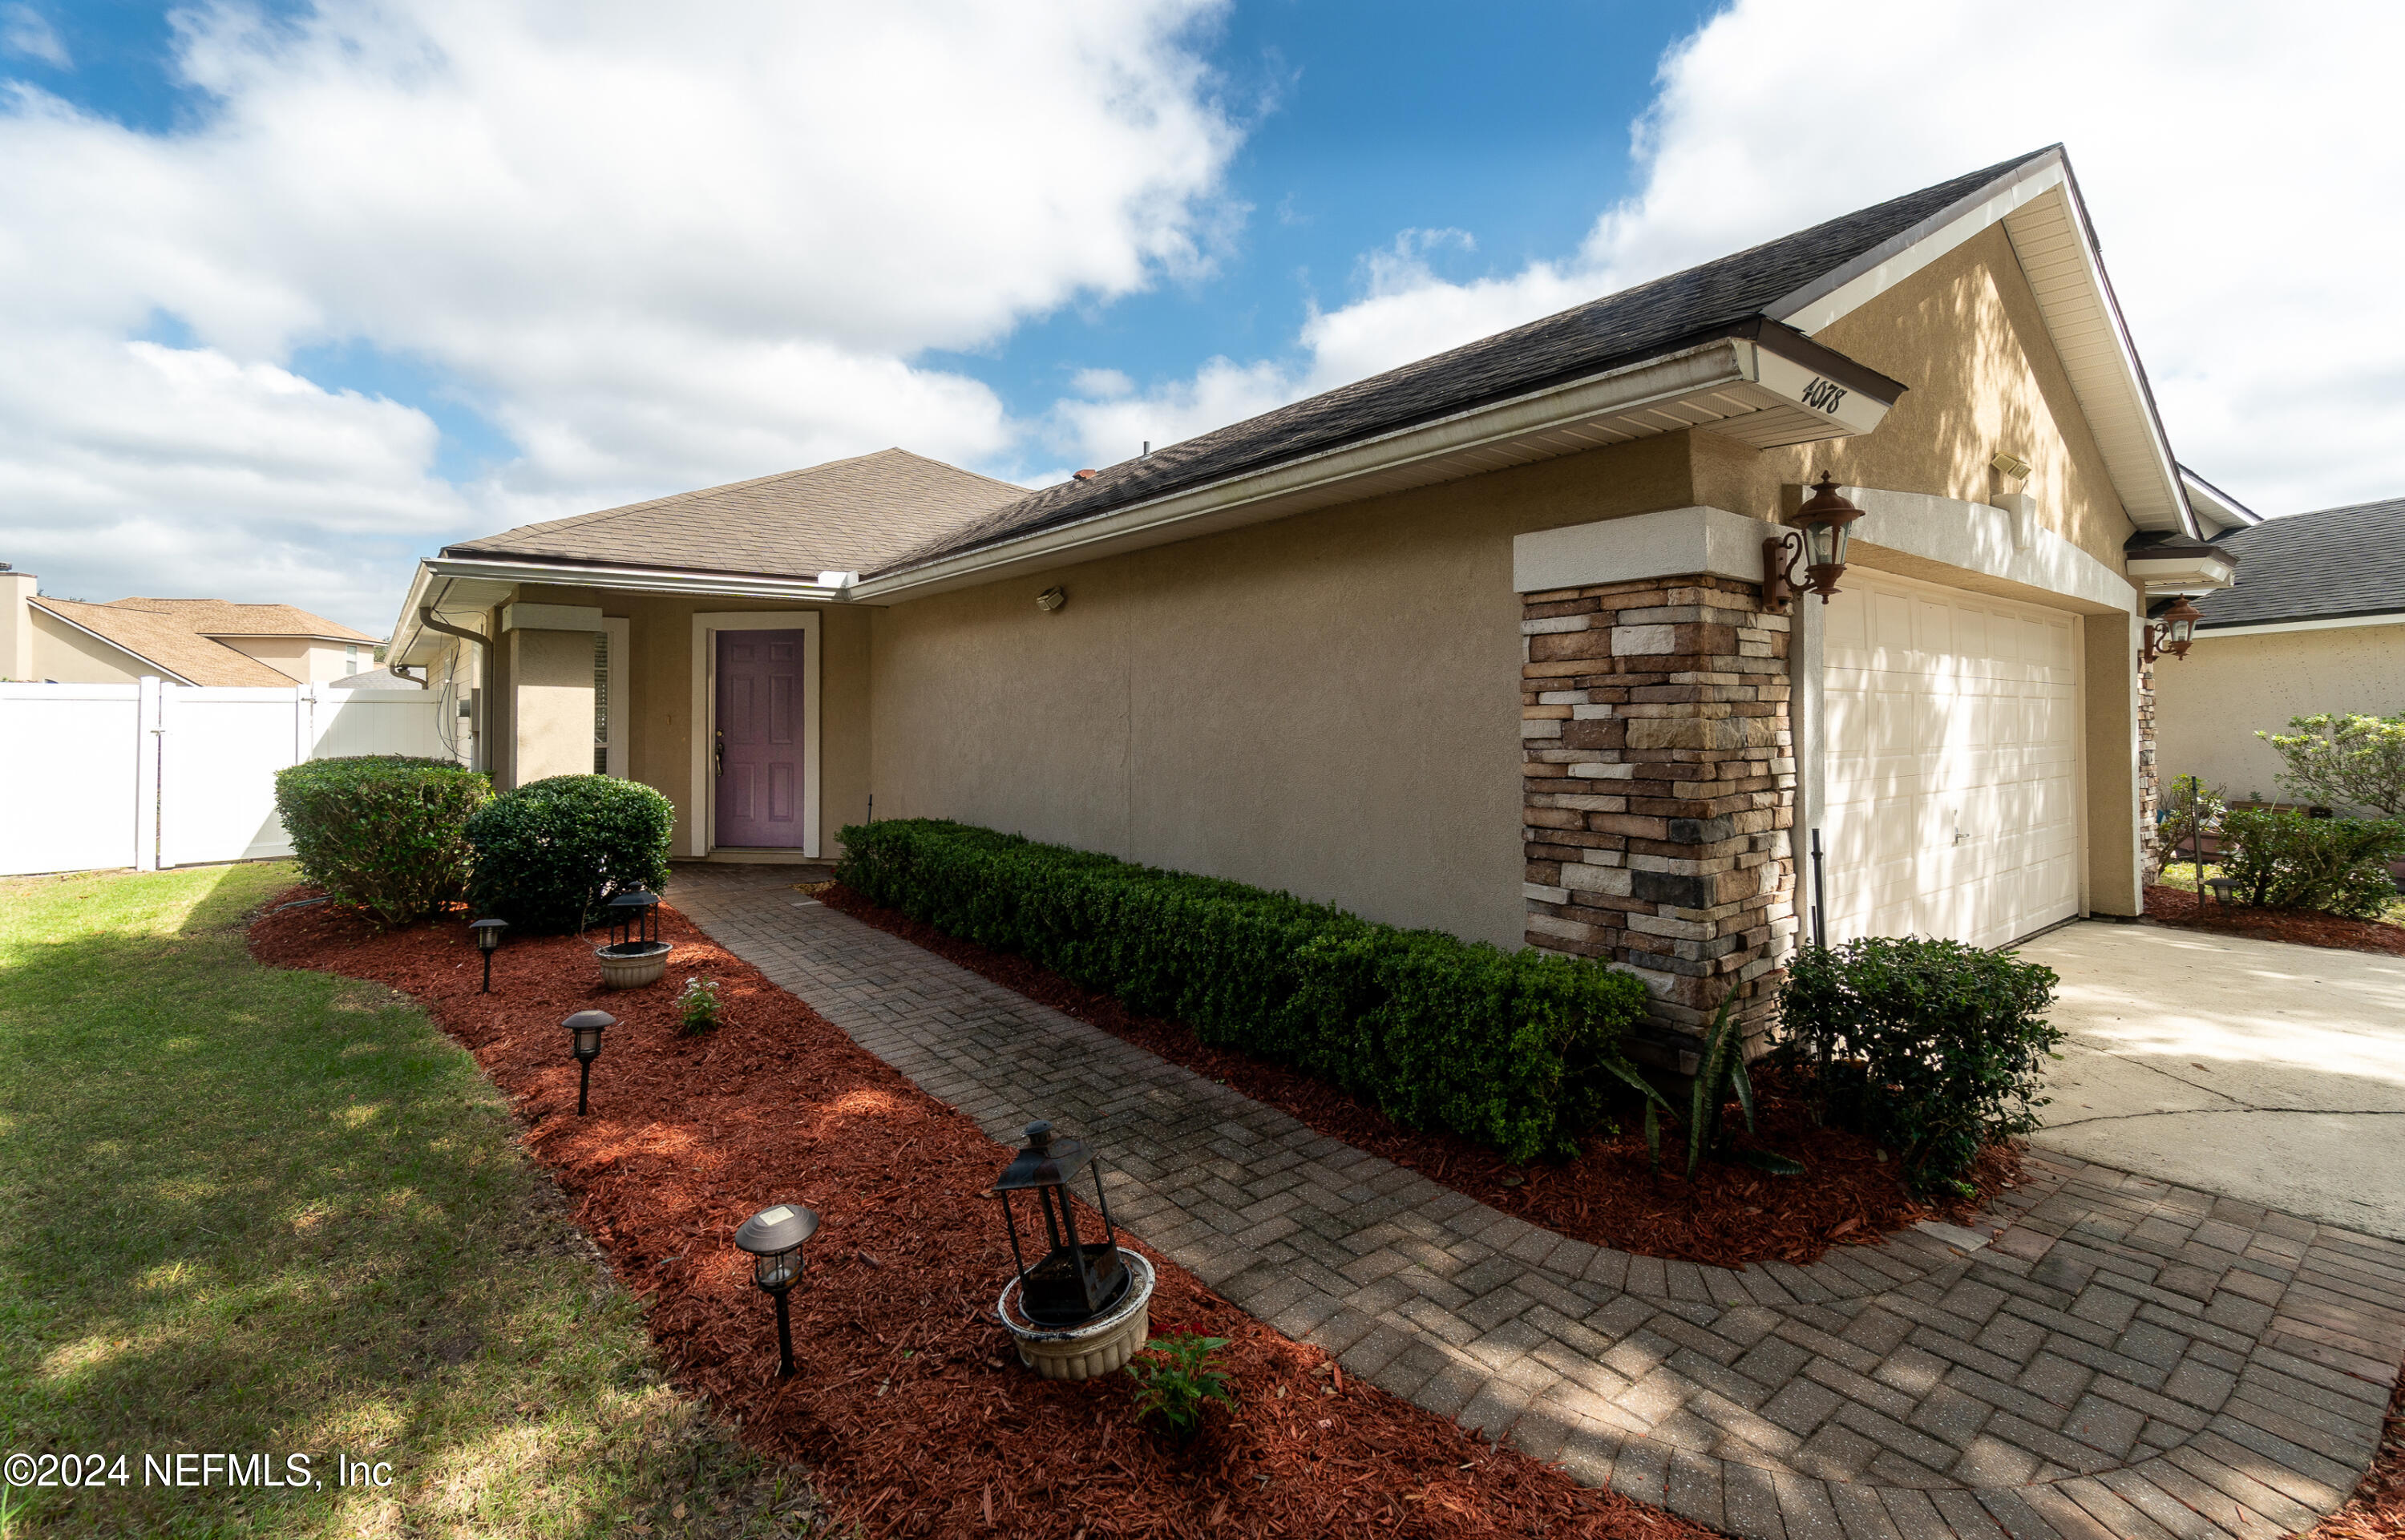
(2239, 165)
(28, 33)
(659, 253)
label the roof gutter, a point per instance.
(645, 580)
(1751, 353)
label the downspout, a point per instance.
(483, 657)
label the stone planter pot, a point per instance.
(1099, 1347)
(632, 963)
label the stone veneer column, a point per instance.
(2150, 783)
(1660, 793)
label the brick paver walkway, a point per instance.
(2122, 1357)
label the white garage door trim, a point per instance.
(1953, 773)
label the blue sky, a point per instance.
(293, 294)
(1361, 120)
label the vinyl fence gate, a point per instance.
(153, 775)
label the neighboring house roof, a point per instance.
(223, 617)
(2320, 566)
(1753, 291)
(846, 515)
(165, 641)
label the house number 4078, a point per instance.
(1823, 395)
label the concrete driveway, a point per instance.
(2271, 1073)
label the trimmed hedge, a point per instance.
(384, 832)
(1507, 1048)
(1932, 1048)
(2278, 858)
(550, 854)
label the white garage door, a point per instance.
(1952, 724)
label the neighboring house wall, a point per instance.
(2210, 704)
(72, 656)
(304, 660)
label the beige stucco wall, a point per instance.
(1964, 336)
(1326, 704)
(2210, 704)
(551, 727)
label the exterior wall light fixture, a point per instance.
(1819, 545)
(773, 1239)
(1052, 598)
(584, 1031)
(2174, 631)
(488, 940)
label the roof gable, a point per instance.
(165, 643)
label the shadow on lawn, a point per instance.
(253, 1211)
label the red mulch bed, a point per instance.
(1728, 1216)
(906, 1402)
(2377, 1509)
(2178, 906)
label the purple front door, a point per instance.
(759, 744)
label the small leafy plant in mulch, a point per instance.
(697, 1007)
(1178, 1380)
(908, 1405)
(1614, 1192)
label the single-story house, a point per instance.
(182, 641)
(1480, 644)
(2319, 626)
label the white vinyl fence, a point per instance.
(153, 774)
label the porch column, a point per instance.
(1660, 785)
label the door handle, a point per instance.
(718, 754)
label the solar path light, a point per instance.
(488, 940)
(1083, 1307)
(773, 1238)
(636, 955)
(584, 1043)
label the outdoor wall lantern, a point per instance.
(1819, 544)
(1085, 1306)
(2174, 631)
(488, 940)
(636, 955)
(773, 1238)
(584, 1043)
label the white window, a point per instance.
(610, 724)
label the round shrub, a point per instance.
(2280, 858)
(384, 832)
(550, 854)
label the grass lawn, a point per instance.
(254, 1212)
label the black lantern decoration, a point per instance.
(773, 1237)
(634, 922)
(1819, 544)
(488, 940)
(585, 1042)
(1077, 1280)
(2174, 631)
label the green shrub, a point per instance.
(1509, 1048)
(1930, 1047)
(387, 832)
(2282, 859)
(550, 854)
(1177, 1380)
(2352, 761)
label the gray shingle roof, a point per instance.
(2317, 566)
(1649, 319)
(845, 515)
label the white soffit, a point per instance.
(1735, 387)
(2057, 255)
